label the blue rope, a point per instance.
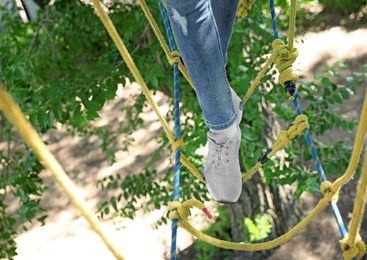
(291, 89)
(176, 180)
(274, 19)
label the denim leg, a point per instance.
(198, 39)
(224, 12)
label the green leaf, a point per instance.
(326, 81)
(337, 98)
(42, 220)
(345, 94)
(113, 203)
(250, 136)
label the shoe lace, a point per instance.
(220, 154)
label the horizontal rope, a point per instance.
(183, 223)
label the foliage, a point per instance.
(63, 68)
(324, 98)
(257, 229)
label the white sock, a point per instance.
(220, 136)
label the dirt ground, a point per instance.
(68, 236)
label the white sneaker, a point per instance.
(222, 168)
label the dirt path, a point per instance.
(68, 236)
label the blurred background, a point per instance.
(64, 71)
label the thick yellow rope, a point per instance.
(283, 139)
(284, 57)
(244, 7)
(181, 213)
(351, 250)
(139, 79)
(359, 206)
(330, 191)
(357, 149)
(352, 245)
(26, 131)
(256, 81)
(292, 24)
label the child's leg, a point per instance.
(203, 42)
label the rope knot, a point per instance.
(178, 211)
(329, 193)
(284, 138)
(284, 58)
(182, 211)
(174, 57)
(301, 118)
(353, 250)
(325, 187)
(244, 6)
(284, 53)
(177, 144)
(301, 122)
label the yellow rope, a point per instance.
(139, 79)
(283, 139)
(181, 213)
(292, 24)
(178, 144)
(26, 131)
(251, 172)
(351, 250)
(357, 149)
(354, 238)
(352, 245)
(330, 191)
(244, 7)
(283, 58)
(256, 81)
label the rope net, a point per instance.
(283, 56)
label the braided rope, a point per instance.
(244, 7)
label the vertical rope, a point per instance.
(292, 24)
(176, 180)
(291, 89)
(273, 19)
(359, 206)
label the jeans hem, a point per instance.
(222, 126)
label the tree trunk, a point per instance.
(277, 201)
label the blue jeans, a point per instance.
(202, 30)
